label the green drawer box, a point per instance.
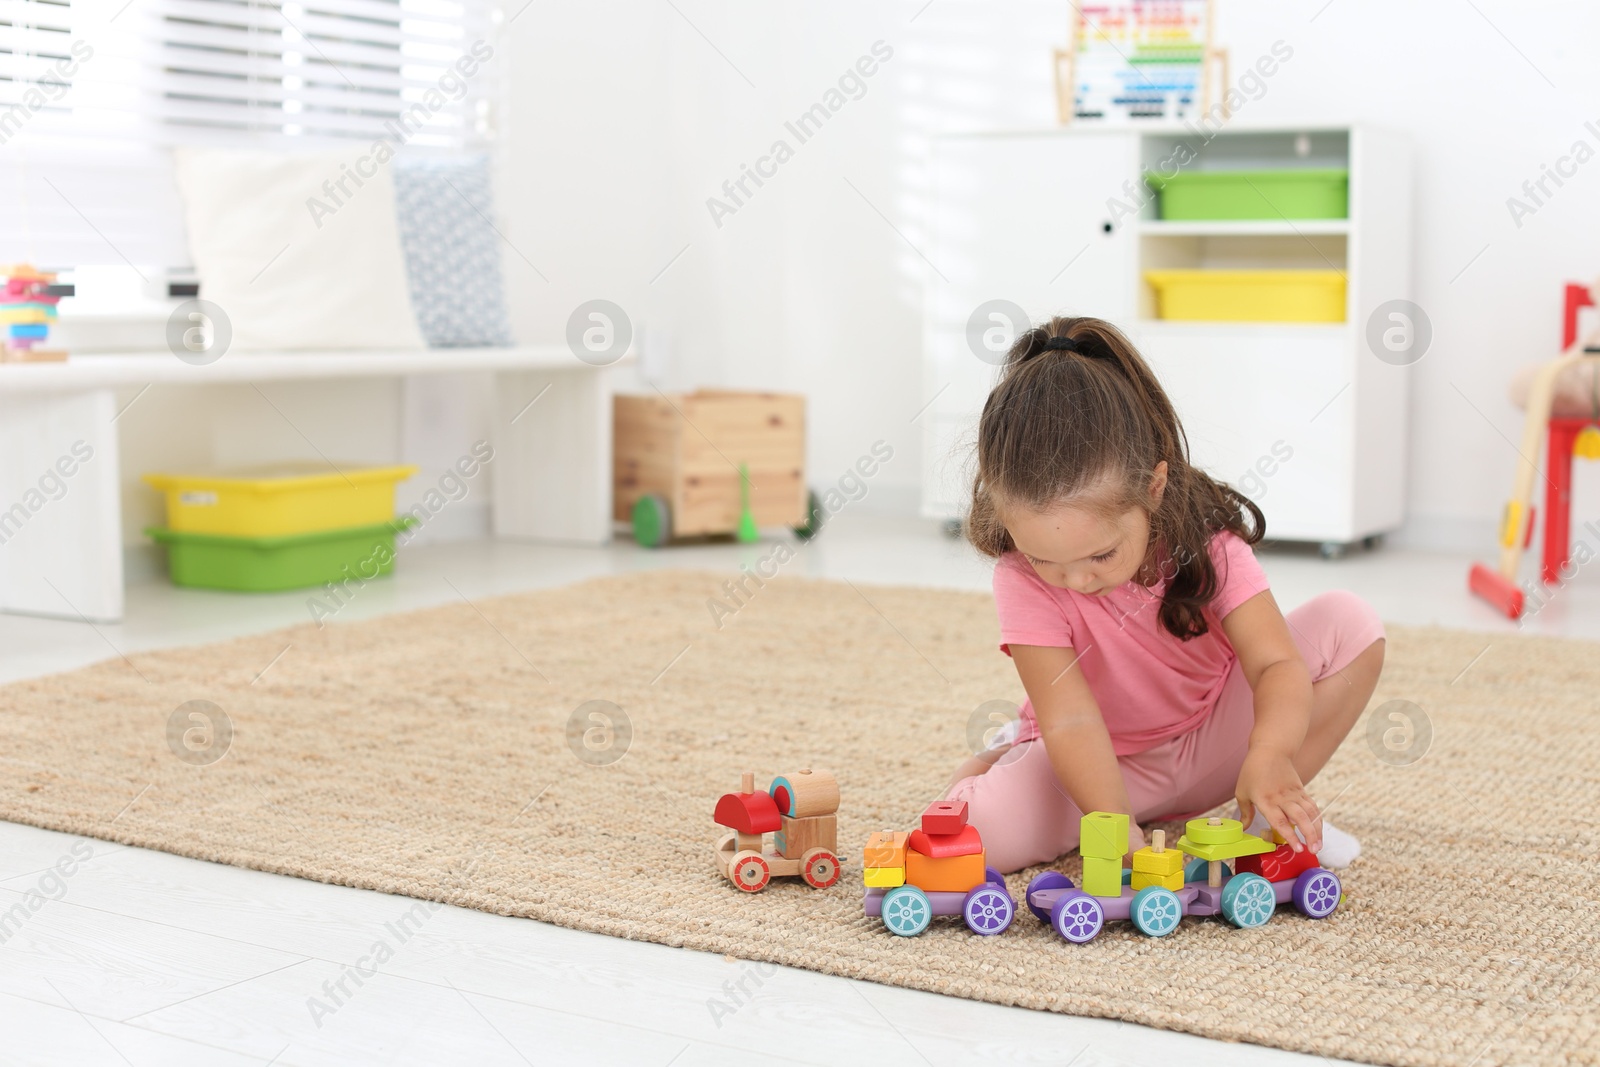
(290, 561)
(1202, 195)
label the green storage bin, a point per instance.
(287, 561)
(1203, 195)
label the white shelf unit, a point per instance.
(1033, 218)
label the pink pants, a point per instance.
(1026, 816)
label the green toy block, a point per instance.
(1247, 845)
(1103, 835)
(1102, 877)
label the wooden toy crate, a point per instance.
(687, 447)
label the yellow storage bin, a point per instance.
(1249, 295)
(278, 500)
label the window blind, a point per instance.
(324, 69)
(93, 94)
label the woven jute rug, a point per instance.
(430, 754)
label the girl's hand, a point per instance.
(1269, 783)
(1136, 839)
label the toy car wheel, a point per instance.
(1155, 910)
(1047, 880)
(1248, 901)
(652, 520)
(814, 516)
(1196, 871)
(819, 868)
(994, 877)
(750, 872)
(1316, 893)
(988, 910)
(1078, 917)
(906, 911)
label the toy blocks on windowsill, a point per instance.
(885, 848)
(1103, 835)
(941, 846)
(945, 817)
(1102, 877)
(796, 837)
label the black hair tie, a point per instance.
(1061, 344)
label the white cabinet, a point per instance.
(1300, 416)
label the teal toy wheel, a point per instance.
(652, 520)
(906, 911)
(1248, 901)
(814, 516)
(1196, 871)
(1155, 910)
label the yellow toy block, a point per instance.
(1148, 861)
(1103, 835)
(26, 315)
(1102, 877)
(884, 877)
(1173, 881)
(1587, 444)
(885, 849)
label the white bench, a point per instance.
(61, 547)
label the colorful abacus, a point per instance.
(27, 311)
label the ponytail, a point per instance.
(1078, 409)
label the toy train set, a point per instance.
(940, 869)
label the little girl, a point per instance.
(1162, 679)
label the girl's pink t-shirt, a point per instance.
(1150, 686)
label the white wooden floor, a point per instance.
(146, 958)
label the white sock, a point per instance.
(1338, 849)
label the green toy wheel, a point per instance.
(1155, 910)
(1248, 901)
(814, 516)
(652, 520)
(906, 910)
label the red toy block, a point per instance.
(965, 842)
(748, 813)
(944, 817)
(1284, 865)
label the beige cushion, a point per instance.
(286, 276)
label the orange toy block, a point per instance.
(885, 848)
(951, 874)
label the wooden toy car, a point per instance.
(696, 464)
(936, 870)
(799, 810)
(1268, 876)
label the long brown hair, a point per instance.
(1078, 411)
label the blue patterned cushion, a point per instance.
(452, 251)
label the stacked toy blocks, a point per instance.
(1156, 864)
(27, 311)
(884, 859)
(807, 802)
(946, 854)
(1102, 842)
(800, 810)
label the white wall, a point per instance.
(624, 118)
